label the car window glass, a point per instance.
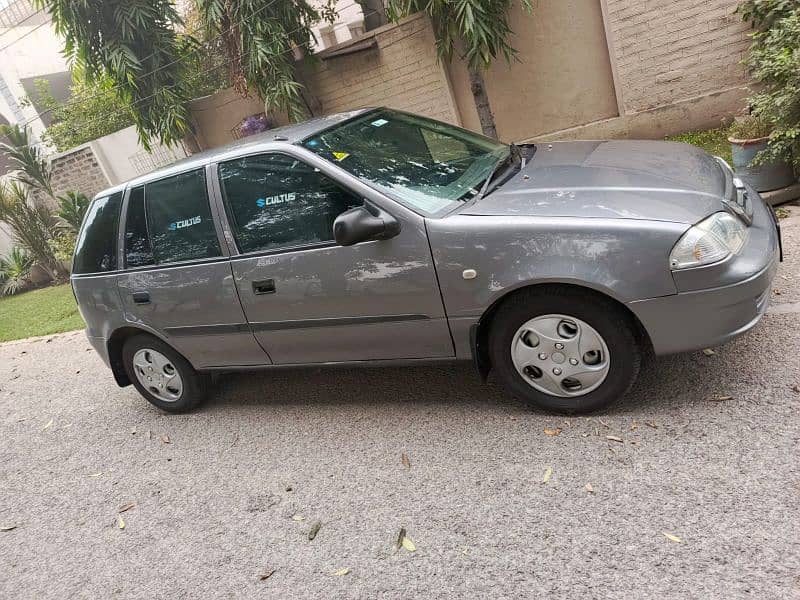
(276, 201)
(96, 247)
(138, 252)
(179, 218)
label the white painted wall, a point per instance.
(349, 15)
(30, 50)
(122, 158)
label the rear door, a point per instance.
(311, 301)
(177, 279)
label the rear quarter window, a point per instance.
(96, 247)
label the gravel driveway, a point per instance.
(686, 489)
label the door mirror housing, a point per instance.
(363, 224)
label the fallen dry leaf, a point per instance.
(95, 475)
(312, 533)
(547, 474)
(400, 537)
(298, 518)
(341, 572)
(722, 398)
(120, 522)
(405, 460)
(589, 488)
(408, 544)
(634, 425)
(48, 426)
(7, 527)
(672, 537)
(613, 438)
(165, 439)
(552, 432)
(651, 424)
(267, 575)
(796, 389)
(126, 507)
(604, 424)
(708, 352)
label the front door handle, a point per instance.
(267, 286)
(141, 297)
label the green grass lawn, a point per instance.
(713, 141)
(39, 312)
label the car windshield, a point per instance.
(424, 164)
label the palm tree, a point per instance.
(480, 27)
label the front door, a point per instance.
(311, 301)
(177, 281)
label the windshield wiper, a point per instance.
(514, 154)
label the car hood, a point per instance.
(662, 181)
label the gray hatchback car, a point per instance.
(378, 237)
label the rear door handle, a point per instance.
(267, 286)
(141, 297)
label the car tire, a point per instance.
(529, 325)
(162, 375)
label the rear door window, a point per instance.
(178, 218)
(275, 201)
(96, 247)
(138, 252)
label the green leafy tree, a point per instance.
(34, 227)
(27, 158)
(15, 271)
(259, 38)
(481, 30)
(774, 62)
(72, 207)
(92, 111)
(132, 45)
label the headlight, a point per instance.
(710, 241)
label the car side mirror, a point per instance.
(363, 224)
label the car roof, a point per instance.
(271, 139)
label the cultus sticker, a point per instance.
(279, 199)
(185, 223)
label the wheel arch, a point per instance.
(115, 343)
(479, 332)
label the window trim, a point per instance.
(212, 203)
(236, 252)
(120, 216)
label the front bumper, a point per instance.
(700, 318)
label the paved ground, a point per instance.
(215, 492)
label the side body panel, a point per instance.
(194, 308)
(193, 305)
(625, 259)
(377, 300)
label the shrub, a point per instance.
(15, 271)
(751, 127)
(63, 246)
(34, 227)
(774, 61)
(72, 208)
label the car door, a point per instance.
(311, 301)
(177, 280)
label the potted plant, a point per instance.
(749, 136)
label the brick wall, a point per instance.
(401, 72)
(76, 170)
(666, 51)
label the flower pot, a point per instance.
(769, 176)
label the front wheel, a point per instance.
(161, 375)
(564, 350)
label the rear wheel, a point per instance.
(564, 350)
(161, 375)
